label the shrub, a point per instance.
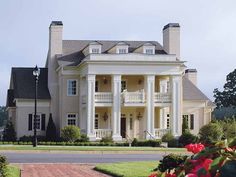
(134, 142)
(170, 162)
(107, 139)
(152, 143)
(70, 133)
(3, 166)
(210, 133)
(51, 132)
(9, 133)
(170, 139)
(83, 138)
(26, 138)
(187, 138)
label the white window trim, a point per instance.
(67, 88)
(153, 52)
(76, 117)
(119, 49)
(40, 122)
(189, 120)
(95, 48)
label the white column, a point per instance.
(150, 109)
(90, 107)
(116, 108)
(176, 106)
(162, 118)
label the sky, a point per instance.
(208, 31)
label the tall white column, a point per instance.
(150, 109)
(116, 108)
(176, 106)
(90, 107)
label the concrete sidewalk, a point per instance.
(59, 170)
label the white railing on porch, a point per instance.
(160, 132)
(103, 97)
(133, 97)
(162, 97)
(101, 133)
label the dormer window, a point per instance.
(95, 50)
(122, 51)
(149, 51)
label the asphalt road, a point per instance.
(15, 157)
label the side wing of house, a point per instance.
(20, 101)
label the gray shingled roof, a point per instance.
(72, 49)
(24, 84)
(191, 92)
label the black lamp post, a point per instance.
(36, 74)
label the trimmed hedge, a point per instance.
(3, 166)
(152, 143)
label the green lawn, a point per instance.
(128, 169)
(13, 171)
(89, 148)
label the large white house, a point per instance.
(123, 89)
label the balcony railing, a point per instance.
(103, 97)
(133, 97)
(162, 97)
(160, 132)
(101, 133)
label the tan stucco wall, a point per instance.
(24, 108)
(133, 83)
(68, 104)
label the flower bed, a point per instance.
(207, 161)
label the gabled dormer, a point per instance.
(146, 48)
(93, 48)
(119, 48)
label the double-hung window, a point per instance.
(71, 119)
(122, 51)
(72, 87)
(40, 122)
(95, 50)
(149, 51)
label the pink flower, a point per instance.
(191, 175)
(195, 148)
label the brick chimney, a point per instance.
(191, 74)
(55, 38)
(171, 39)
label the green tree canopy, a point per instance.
(9, 133)
(3, 115)
(227, 98)
(51, 133)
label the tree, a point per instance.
(210, 133)
(9, 133)
(51, 132)
(3, 115)
(227, 98)
(70, 133)
(185, 125)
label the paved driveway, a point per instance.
(59, 170)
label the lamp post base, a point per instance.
(35, 142)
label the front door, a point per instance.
(123, 126)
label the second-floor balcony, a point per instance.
(162, 97)
(133, 97)
(103, 97)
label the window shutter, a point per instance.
(30, 122)
(191, 121)
(43, 122)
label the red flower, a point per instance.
(153, 175)
(195, 148)
(170, 175)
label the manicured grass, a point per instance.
(13, 171)
(88, 148)
(128, 169)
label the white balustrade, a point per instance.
(160, 132)
(103, 97)
(101, 133)
(162, 97)
(133, 97)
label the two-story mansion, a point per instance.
(123, 89)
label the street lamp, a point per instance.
(36, 74)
